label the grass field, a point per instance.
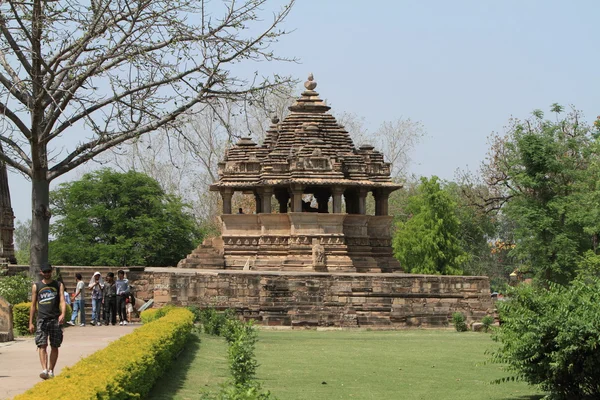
(412, 364)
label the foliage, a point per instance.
(544, 177)
(118, 219)
(113, 373)
(16, 288)
(428, 243)
(214, 322)
(153, 314)
(241, 338)
(549, 337)
(196, 311)
(21, 317)
(458, 319)
(22, 238)
(487, 322)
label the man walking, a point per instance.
(78, 302)
(48, 301)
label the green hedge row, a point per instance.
(127, 368)
(21, 317)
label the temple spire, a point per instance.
(7, 217)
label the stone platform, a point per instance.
(315, 299)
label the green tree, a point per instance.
(541, 176)
(22, 238)
(111, 218)
(428, 241)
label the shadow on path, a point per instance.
(532, 397)
(175, 376)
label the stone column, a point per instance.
(282, 197)
(267, 194)
(337, 192)
(362, 201)
(381, 201)
(322, 200)
(297, 191)
(226, 195)
(258, 202)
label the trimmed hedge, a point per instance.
(21, 317)
(153, 314)
(127, 368)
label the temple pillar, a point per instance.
(337, 199)
(267, 194)
(226, 195)
(282, 197)
(297, 191)
(381, 201)
(362, 201)
(257, 202)
(323, 200)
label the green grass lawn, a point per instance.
(411, 364)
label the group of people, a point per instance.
(49, 301)
(110, 298)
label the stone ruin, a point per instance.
(307, 155)
(7, 217)
(6, 321)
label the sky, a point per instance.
(461, 68)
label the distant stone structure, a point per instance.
(7, 219)
(308, 153)
(6, 321)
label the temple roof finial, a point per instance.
(310, 84)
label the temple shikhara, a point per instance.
(7, 217)
(311, 185)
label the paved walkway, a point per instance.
(20, 364)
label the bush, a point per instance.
(458, 319)
(214, 322)
(125, 369)
(487, 322)
(153, 314)
(21, 317)
(196, 311)
(549, 337)
(15, 289)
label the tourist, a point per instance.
(240, 210)
(97, 286)
(122, 295)
(78, 302)
(49, 303)
(109, 300)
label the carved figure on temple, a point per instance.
(318, 253)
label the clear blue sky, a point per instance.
(462, 68)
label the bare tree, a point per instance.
(395, 139)
(106, 71)
(186, 164)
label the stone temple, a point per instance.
(312, 252)
(308, 155)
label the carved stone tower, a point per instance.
(311, 186)
(7, 218)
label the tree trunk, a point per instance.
(40, 221)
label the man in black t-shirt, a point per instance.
(48, 300)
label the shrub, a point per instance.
(196, 311)
(15, 289)
(213, 322)
(125, 369)
(21, 317)
(549, 337)
(458, 319)
(487, 322)
(155, 313)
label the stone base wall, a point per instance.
(323, 299)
